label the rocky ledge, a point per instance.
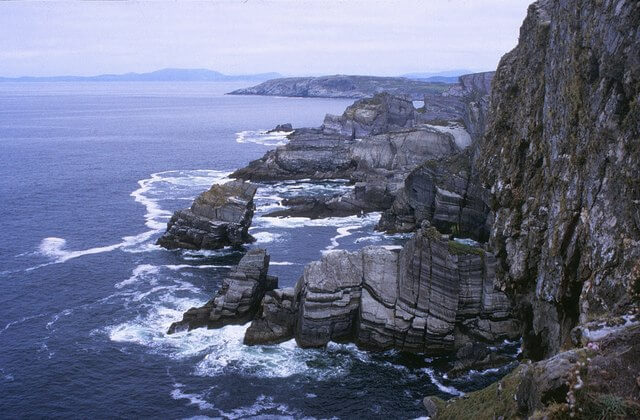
(435, 296)
(219, 217)
(238, 299)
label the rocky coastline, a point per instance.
(343, 86)
(520, 192)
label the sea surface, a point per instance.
(89, 175)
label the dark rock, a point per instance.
(219, 217)
(282, 128)
(276, 318)
(238, 299)
(446, 194)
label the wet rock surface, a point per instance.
(238, 299)
(219, 217)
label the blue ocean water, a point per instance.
(89, 175)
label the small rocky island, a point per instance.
(520, 191)
(217, 218)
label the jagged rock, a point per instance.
(219, 217)
(238, 299)
(282, 128)
(343, 86)
(276, 318)
(444, 193)
(416, 300)
(562, 157)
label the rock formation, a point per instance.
(562, 157)
(280, 128)
(219, 217)
(238, 299)
(343, 86)
(445, 193)
(431, 297)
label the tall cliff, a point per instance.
(561, 155)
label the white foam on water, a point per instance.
(282, 263)
(262, 137)
(377, 238)
(299, 222)
(262, 403)
(343, 232)
(446, 389)
(138, 274)
(194, 399)
(266, 237)
(149, 193)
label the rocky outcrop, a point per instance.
(282, 128)
(431, 297)
(238, 299)
(343, 86)
(599, 379)
(445, 193)
(562, 156)
(219, 217)
(379, 114)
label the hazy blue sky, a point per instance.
(288, 36)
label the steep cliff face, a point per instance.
(562, 158)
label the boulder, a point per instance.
(219, 217)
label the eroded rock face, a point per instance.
(275, 320)
(238, 299)
(562, 157)
(446, 194)
(219, 217)
(425, 298)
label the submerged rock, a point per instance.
(238, 299)
(219, 217)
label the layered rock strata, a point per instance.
(239, 298)
(219, 217)
(446, 194)
(428, 297)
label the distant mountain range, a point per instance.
(164, 75)
(449, 76)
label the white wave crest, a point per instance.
(276, 138)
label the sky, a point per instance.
(292, 37)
